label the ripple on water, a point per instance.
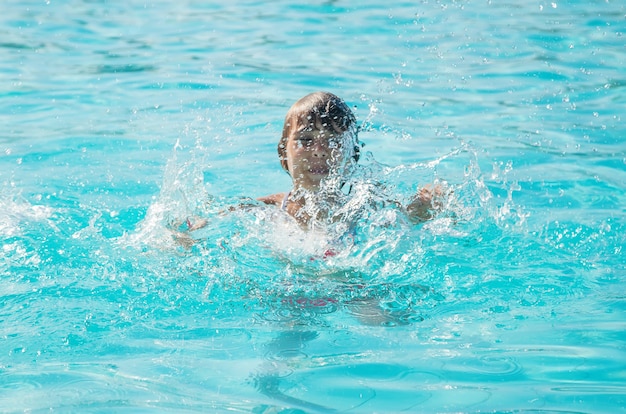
(377, 371)
(371, 387)
(61, 386)
(221, 343)
(299, 310)
(485, 369)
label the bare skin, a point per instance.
(425, 203)
(311, 154)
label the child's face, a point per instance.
(313, 152)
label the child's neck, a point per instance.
(308, 206)
(323, 195)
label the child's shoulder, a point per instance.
(273, 199)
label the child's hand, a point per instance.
(195, 223)
(181, 230)
(425, 203)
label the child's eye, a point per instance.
(307, 142)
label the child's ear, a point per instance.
(284, 164)
(357, 150)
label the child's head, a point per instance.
(317, 126)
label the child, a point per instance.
(319, 149)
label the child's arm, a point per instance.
(274, 199)
(182, 229)
(425, 204)
(196, 223)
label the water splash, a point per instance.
(368, 255)
(183, 196)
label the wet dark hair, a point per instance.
(323, 108)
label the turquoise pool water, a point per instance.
(122, 119)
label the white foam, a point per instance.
(14, 215)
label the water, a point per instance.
(122, 119)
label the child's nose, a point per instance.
(320, 150)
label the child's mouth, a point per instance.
(321, 170)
